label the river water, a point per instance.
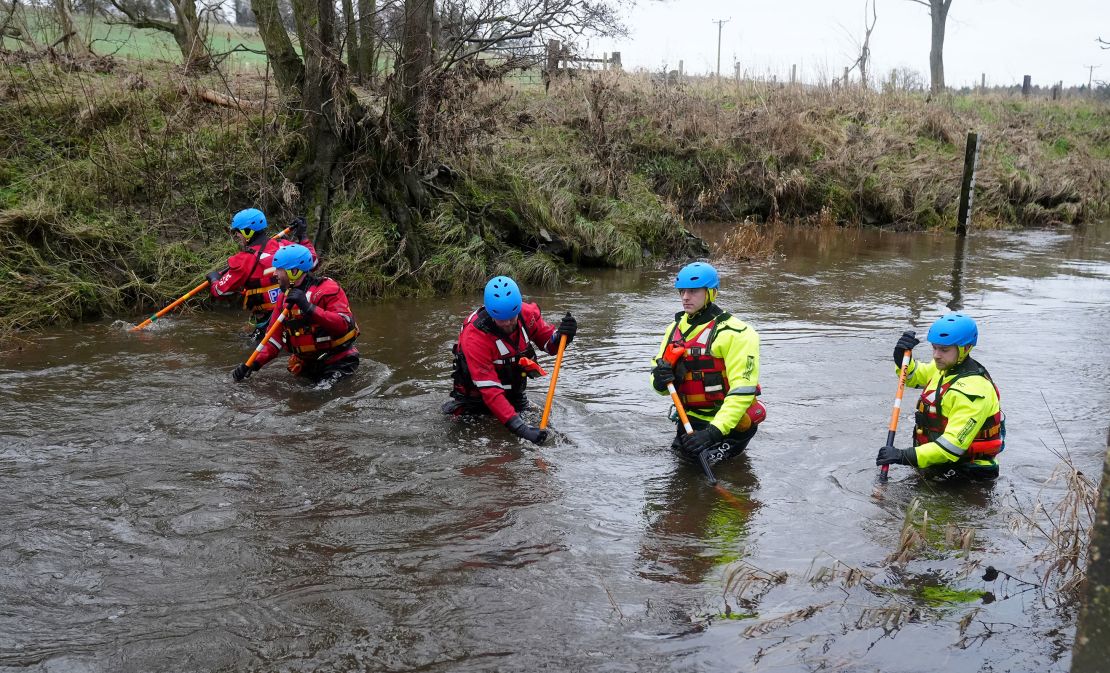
(158, 517)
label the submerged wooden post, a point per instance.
(967, 188)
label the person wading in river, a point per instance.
(319, 330)
(494, 357)
(246, 270)
(712, 358)
(959, 426)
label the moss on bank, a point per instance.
(116, 187)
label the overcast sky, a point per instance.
(1049, 39)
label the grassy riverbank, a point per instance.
(116, 185)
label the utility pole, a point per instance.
(719, 22)
(1090, 75)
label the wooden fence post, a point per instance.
(615, 60)
(793, 74)
(967, 188)
(1026, 85)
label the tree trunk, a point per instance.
(288, 66)
(939, 15)
(413, 68)
(351, 35)
(70, 36)
(190, 35)
(332, 110)
(367, 59)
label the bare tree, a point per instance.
(1103, 44)
(350, 21)
(284, 59)
(189, 26)
(938, 12)
(367, 54)
(386, 151)
(864, 48)
(69, 34)
(243, 14)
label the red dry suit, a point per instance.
(487, 360)
(324, 336)
(246, 275)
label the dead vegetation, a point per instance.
(764, 153)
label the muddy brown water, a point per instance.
(158, 517)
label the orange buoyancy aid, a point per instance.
(511, 373)
(260, 292)
(931, 423)
(304, 337)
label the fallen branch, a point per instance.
(223, 100)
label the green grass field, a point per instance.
(126, 42)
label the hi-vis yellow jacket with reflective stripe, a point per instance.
(967, 405)
(737, 344)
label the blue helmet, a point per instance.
(251, 218)
(954, 329)
(698, 274)
(293, 256)
(502, 298)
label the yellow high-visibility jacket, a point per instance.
(737, 344)
(966, 406)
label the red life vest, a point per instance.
(259, 290)
(930, 423)
(304, 337)
(512, 375)
(701, 380)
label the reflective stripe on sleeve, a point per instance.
(487, 384)
(746, 390)
(949, 447)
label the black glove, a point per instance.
(906, 342)
(888, 455)
(662, 374)
(242, 371)
(568, 326)
(300, 229)
(702, 440)
(295, 296)
(525, 431)
(213, 277)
